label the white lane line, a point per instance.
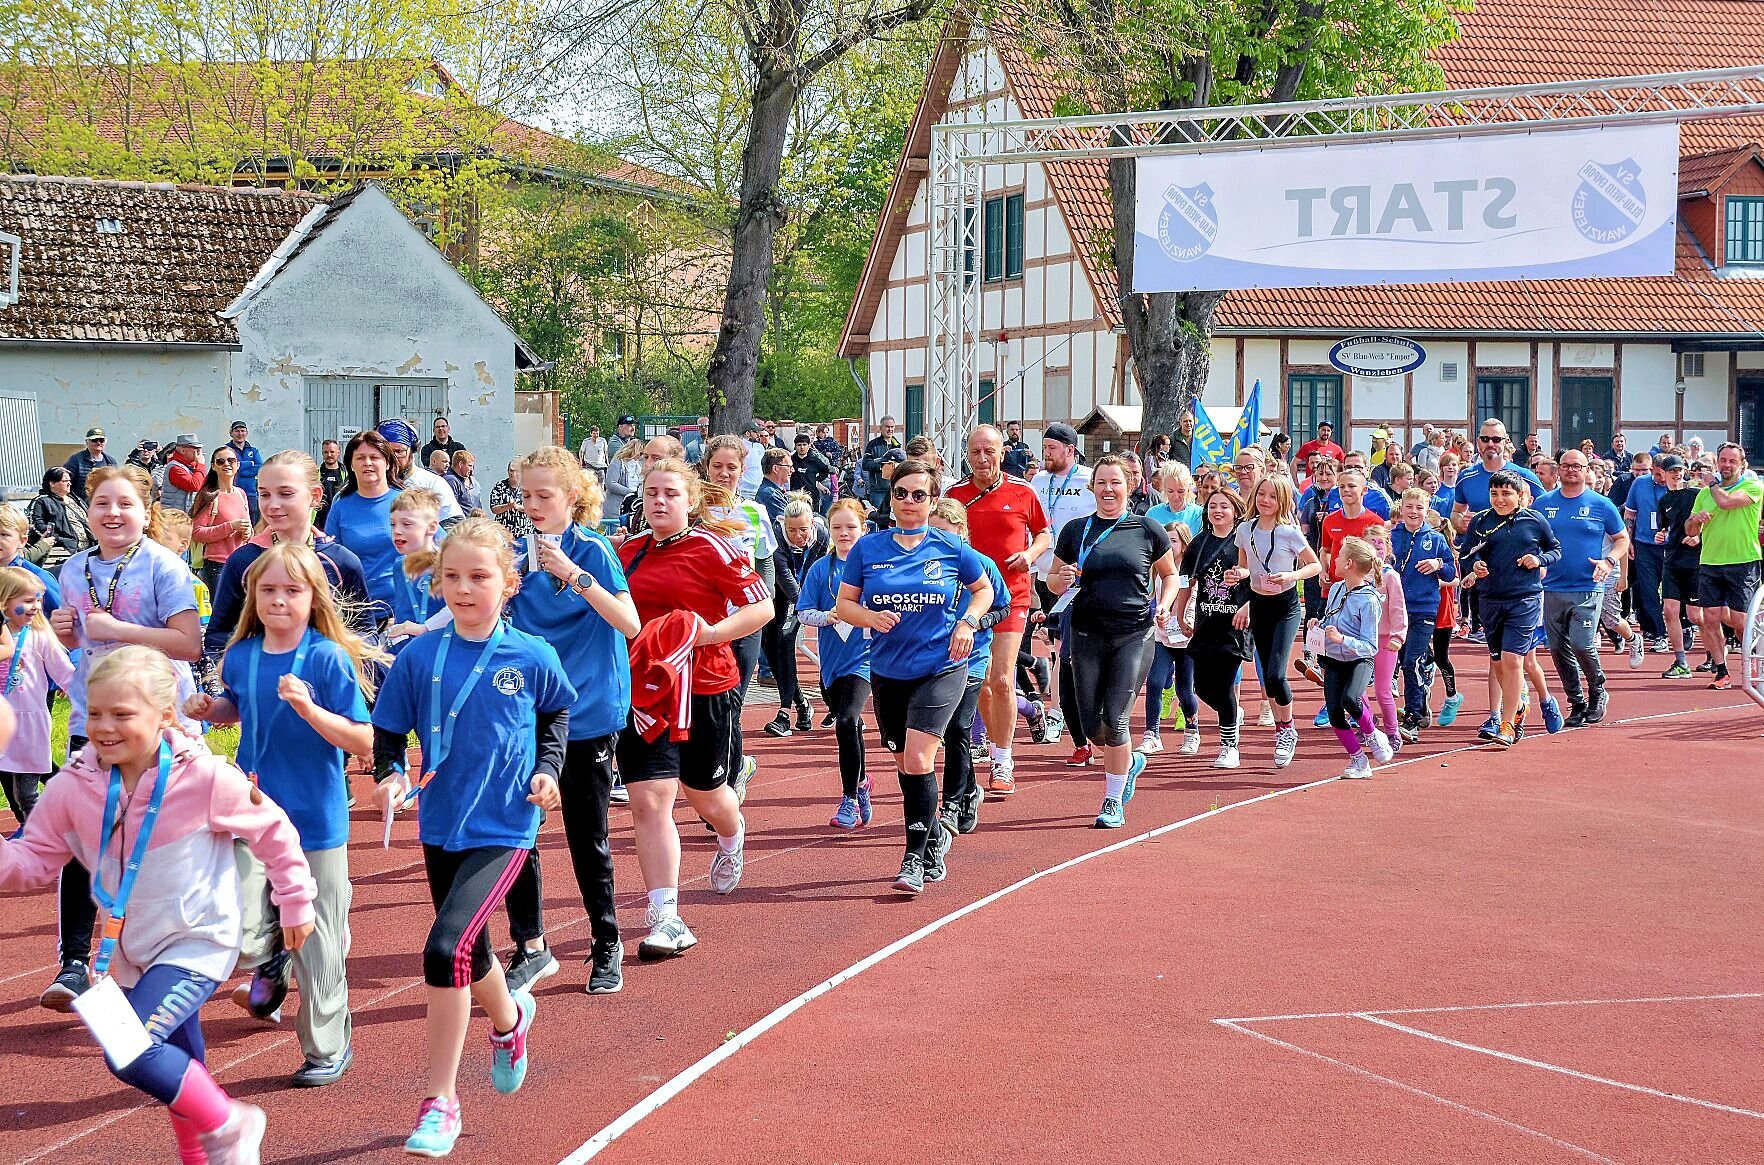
(1363, 1012)
(1510, 1058)
(34, 971)
(1455, 1106)
(1685, 712)
(689, 1075)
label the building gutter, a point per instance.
(10, 342)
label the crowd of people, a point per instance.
(585, 634)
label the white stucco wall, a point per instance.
(131, 393)
(371, 297)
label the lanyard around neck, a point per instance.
(1057, 490)
(255, 730)
(122, 564)
(117, 904)
(18, 650)
(1085, 550)
(440, 737)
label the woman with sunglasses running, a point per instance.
(906, 586)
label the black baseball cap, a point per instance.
(1061, 432)
(1670, 461)
(627, 419)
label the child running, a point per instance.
(1171, 679)
(491, 707)
(844, 652)
(416, 610)
(1505, 551)
(294, 678)
(31, 661)
(1350, 627)
(1423, 560)
(1218, 627)
(15, 535)
(142, 781)
(1393, 631)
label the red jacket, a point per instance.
(661, 676)
(185, 475)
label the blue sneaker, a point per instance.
(1490, 729)
(438, 1126)
(1322, 720)
(508, 1053)
(1111, 816)
(1449, 712)
(1134, 768)
(866, 811)
(1552, 716)
(848, 816)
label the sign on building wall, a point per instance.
(1566, 204)
(1378, 355)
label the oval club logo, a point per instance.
(1189, 222)
(1609, 204)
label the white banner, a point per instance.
(1566, 204)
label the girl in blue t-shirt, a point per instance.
(961, 792)
(573, 596)
(295, 680)
(906, 585)
(491, 707)
(845, 660)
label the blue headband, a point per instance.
(398, 432)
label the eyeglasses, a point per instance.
(917, 496)
(1487, 440)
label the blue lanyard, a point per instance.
(440, 737)
(258, 723)
(1084, 551)
(118, 904)
(1057, 491)
(18, 650)
(416, 595)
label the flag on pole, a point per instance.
(1206, 447)
(1249, 422)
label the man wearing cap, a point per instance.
(184, 473)
(1063, 488)
(626, 432)
(92, 457)
(1647, 572)
(250, 461)
(1324, 443)
(443, 440)
(403, 438)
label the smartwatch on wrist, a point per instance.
(970, 621)
(583, 584)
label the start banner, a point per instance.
(1562, 204)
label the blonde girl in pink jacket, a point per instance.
(1393, 628)
(153, 814)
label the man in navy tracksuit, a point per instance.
(1503, 555)
(1424, 559)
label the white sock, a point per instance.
(730, 844)
(1116, 784)
(665, 902)
(998, 753)
(534, 946)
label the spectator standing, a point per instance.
(331, 477)
(624, 476)
(594, 453)
(81, 464)
(443, 440)
(1182, 440)
(875, 450)
(184, 473)
(811, 473)
(772, 492)
(1017, 453)
(505, 503)
(250, 461)
(463, 481)
(625, 433)
(221, 519)
(58, 515)
(753, 471)
(1324, 443)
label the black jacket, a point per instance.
(64, 520)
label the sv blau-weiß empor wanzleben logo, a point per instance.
(1189, 222)
(1610, 202)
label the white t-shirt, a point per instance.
(420, 478)
(1064, 496)
(1269, 552)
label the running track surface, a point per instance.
(1302, 978)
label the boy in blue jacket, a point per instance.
(1503, 554)
(1424, 559)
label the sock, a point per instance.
(665, 903)
(534, 945)
(998, 753)
(1114, 784)
(918, 793)
(1228, 734)
(190, 1150)
(1282, 725)
(1350, 740)
(729, 845)
(200, 1102)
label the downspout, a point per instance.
(851, 365)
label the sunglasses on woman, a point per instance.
(918, 496)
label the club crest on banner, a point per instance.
(1610, 202)
(1189, 222)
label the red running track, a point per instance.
(1079, 1016)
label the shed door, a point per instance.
(337, 407)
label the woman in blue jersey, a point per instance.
(961, 792)
(361, 516)
(573, 595)
(845, 660)
(906, 586)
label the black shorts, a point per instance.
(923, 705)
(1730, 586)
(708, 758)
(1679, 584)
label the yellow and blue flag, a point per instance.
(1249, 423)
(1206, 448)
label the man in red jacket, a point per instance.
(184, 473)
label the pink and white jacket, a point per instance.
(1394, 622)
(185, 909)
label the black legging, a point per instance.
(1070, 710)
(1107, 672)
(778, 642)
(1215, 682)
(958, 761)
(76, 913)
(586, 787)
(1442, 649)
(846, 697)
(1274, 624)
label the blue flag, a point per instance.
(1249, 422)
(1206, 448)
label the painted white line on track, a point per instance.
(1454, 1008)
(689, 1075)
(1456, 1106)
(1528, 1062)
(1684, 712)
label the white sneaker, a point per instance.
(238, 1141)
(1266, 719)
(1636, 647)
(1227, 759)
(1358, 768)
(1381, 750)
(667, 937)
(1190, 742)
(725, 871)
(1150, 743)
(1285, 745)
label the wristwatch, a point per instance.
(970, 621)
(583, 584)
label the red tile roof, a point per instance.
(1698, 174)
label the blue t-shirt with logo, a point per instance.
(478, 797)
(1582, 525)
(844, 649)
(981, 656)
(926, 586)
(1473, 485)
(1444, 498)
(296, 767)
(1375, 500)
(588, 646)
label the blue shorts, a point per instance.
(1514, 625)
